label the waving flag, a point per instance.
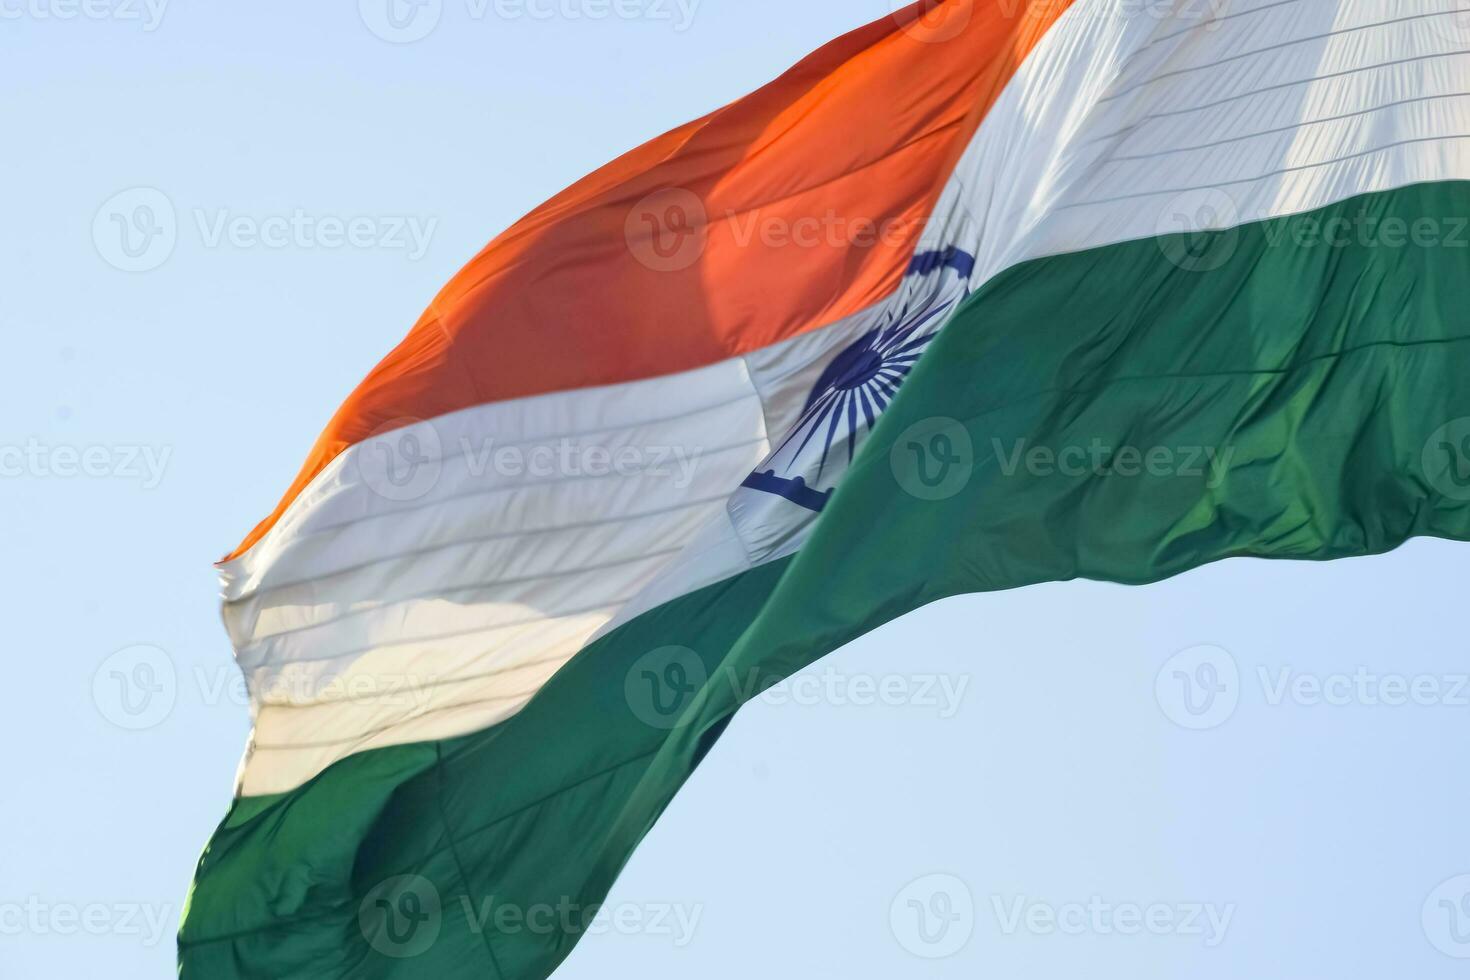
(981, 295)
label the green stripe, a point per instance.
(1332, 375)
(538, 813)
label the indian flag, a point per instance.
(983, 294)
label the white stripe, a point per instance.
(431, 579)
(1122, 125)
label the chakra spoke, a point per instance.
(831, 432)
(867, 408)
(851, 428)
(827, 405)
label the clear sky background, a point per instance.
(1064, 808)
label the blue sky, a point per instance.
(1045, 797)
